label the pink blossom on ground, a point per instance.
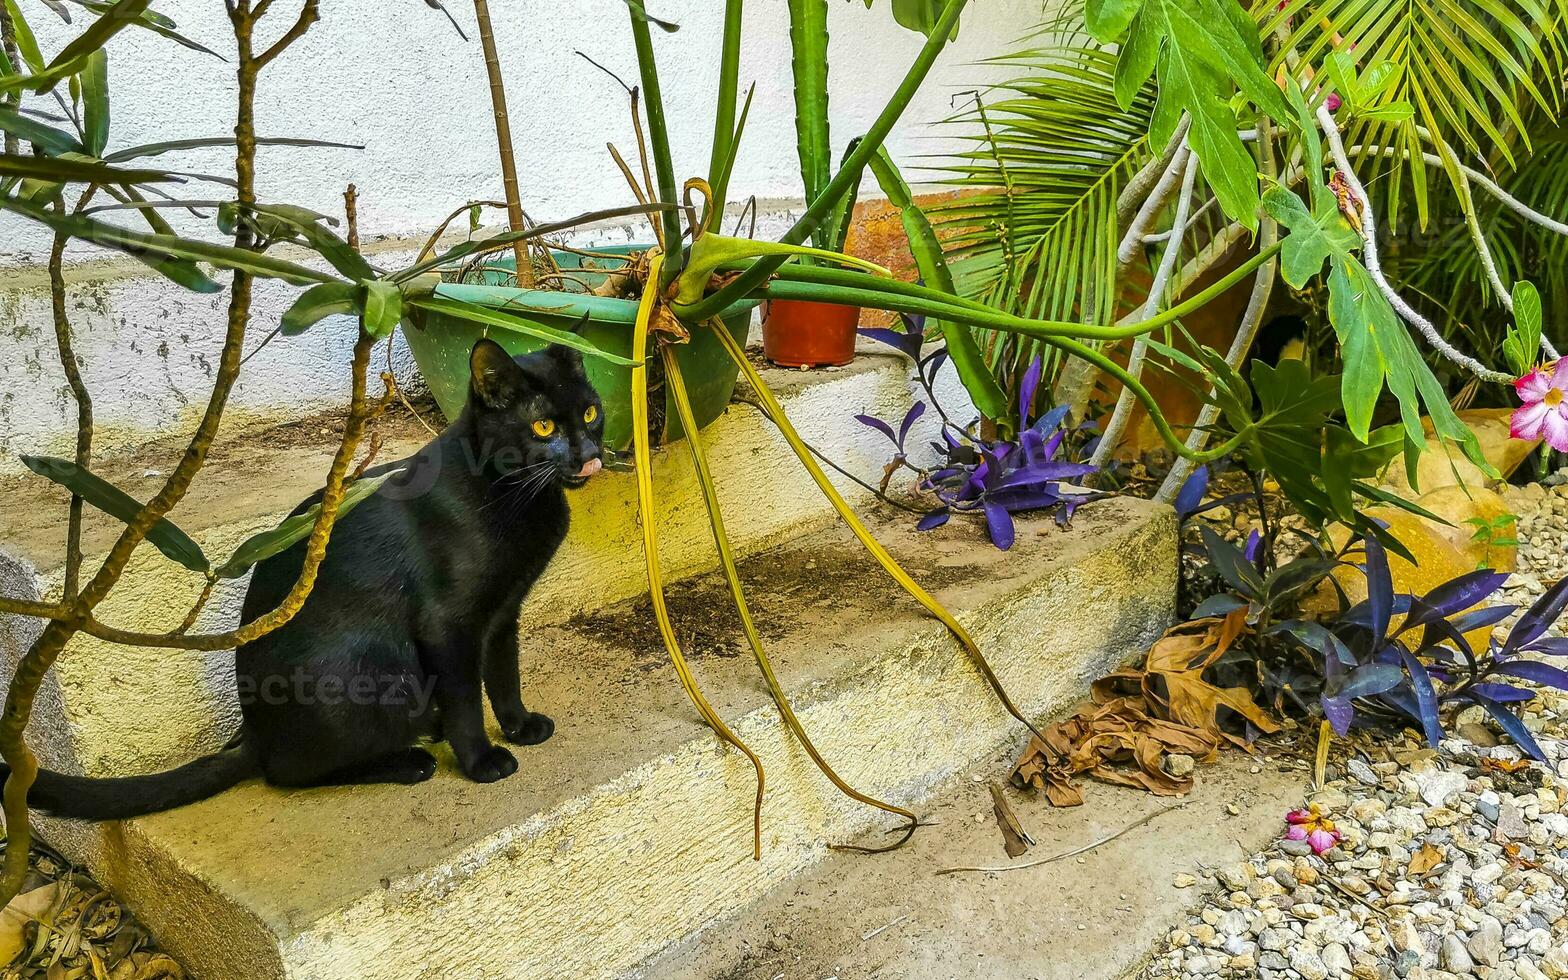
(1313, 827)
(1544, 414)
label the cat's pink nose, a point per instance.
(590, 468)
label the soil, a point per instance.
(706, 621)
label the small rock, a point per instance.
(1437, 786)
(1453, 956)
(1511, 823)
(1336, 958)
(1486, 946)
(1184, 881)
(1180, 765)
(1361, 772)
(1306, 961)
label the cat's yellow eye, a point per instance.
(544, 428)
(591, 414)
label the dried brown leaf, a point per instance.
(1015, 840)
(1423, 861)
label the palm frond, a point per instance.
(1470, 71)
(1034, 227)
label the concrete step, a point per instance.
(631, 828)
(110, 710)
(1092, 916)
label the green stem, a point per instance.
(848, 175)
(659, 136)
(724, 112)
(824, 285)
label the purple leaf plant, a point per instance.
(991, 479)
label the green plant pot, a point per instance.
(440, 344)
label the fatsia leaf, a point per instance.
(164, 535)
(1199, 49)
(1314, 236)
(260, 547)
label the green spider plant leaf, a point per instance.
(259, 547)
(504, 321)
(712, 252)
(319, 302)
(962, 348)
(164, 535)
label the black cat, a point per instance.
(414, 611)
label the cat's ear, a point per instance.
(494, 378)
(567, 360)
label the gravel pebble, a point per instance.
(1488, 901)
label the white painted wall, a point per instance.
(393, 75)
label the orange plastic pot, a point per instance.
(798, 333)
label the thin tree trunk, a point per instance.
(503, 138)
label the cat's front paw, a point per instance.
(533, 729)
(492, 764)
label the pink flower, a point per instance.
(1313, 827)
(1333, 102)
(1544, 414)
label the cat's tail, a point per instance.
(118, 798)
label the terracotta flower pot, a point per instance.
(797, 333)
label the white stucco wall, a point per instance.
(393, 75)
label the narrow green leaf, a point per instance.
(172, 146)
(171, 246)
(164, 535)
(961, 346)
(109, 23)
(494, 318)
(95, 102)
(259, 547)
(43, 136)
(26, 43)
(319, 302)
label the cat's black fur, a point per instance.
(419, 590)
